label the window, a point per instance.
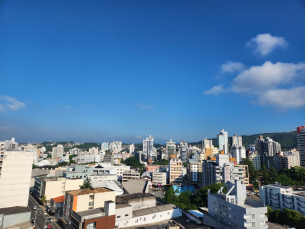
(126, 214)
(91, 225)
(118, 216)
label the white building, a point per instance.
(301, 144)
(175, 170)
(170, 148)
(131, 148)
(107, 168)
(148, 146)
(57, 151)
(235, 141)
(146, 216)
(9, 145)
(223, 141)
(183, 151)
(89, 158)
(159, 178)
(115, 146)
(103, 177)
(31, 148)
(279, 197)
(238, 152)
(15, 178)
(256, 160)
(43, 149)
(113, 185)
(234, 209)
(194, 172)
(105, 146)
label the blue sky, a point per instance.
(122, 70)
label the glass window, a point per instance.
(91, 225)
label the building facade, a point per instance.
(57, 151)
(222, 138)
(170, 149)
(183, 151)
(301, 144)
(194, 172)
(175, 170)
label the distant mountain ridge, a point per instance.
(288, 140)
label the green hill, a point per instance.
(288, 140)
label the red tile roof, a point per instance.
(59, 199)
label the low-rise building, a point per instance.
(85, 199)
(130, 175)
(234, 209)
(80, 171)
(57, 205)
(159, 178)
(52, 187)
(279, 197)
(147, 215)
(137, 200)
(136, 186)
(103, 177)
(113, 185)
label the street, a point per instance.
(40, 218)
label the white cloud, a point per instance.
(215, 90)
(146, 107)
(267, 76)
(232, 67)
(266, 43)
(9, 103)
(280, 85)
(284, 98)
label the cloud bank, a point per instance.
(8, 103)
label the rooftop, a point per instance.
(90, 212)
(151, 210)
(59, 199)
(123, 199)
(13, 210)
(88, 191)
(279, 186)
(297, 188)
(135, 186)
(118, 206)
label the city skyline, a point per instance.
(103, 71)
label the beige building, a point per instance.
(159, 178)
(175, 170)
(55, 186)
(246, 174)
(84, 199)
(15, 178)
(256, 160)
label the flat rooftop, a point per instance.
(300, 194)
(123, 199)
(157, 209)
(13, 210)
(279, 186)
(90, 212)
(88, 191)
(118, 206)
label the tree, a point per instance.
(34, 166)
(43, 199)
(87, 184)
(184, 164)
(170, 196)
(201, 199)
(164, 162)
(63, 163)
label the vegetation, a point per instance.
(43, 199)
(184, 164)
(187, 201)
(293, 176)
(62, 163)
(34, 166)
(164, 162)
(87, 184)
(286, 217)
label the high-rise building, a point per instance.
(115, 146)
(131, 148)
(175, 170)
(15, 178)
(235, 141)
(93, 151)
(256, 160)
(183, 151)
(104, 146)
(223, 141)
(148, 146)
(57, 151)
(170, 148)
(301, 144)
(238, 152)
(194, 172)
(9, 145)
(31, 148)
(234, 209)
(207, 143)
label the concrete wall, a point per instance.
(145, 202)
(15, 178)
(150, 218)
(123, 213)
(207, 220)
(73, 184)
(100, 198)
(13, 219)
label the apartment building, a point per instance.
(159, 178)
(194, 172)
(280, 197)
(85, 199)
(15, 177)
(256, 160)
(221, 171)
(103, 177)
(301, 144)
(246, 173)
(170, 149)
(175, 170)
(222, 138)
(234, 209)
(80, 171)
(107, 168)
(183, 151)
(52, 187)
(109, 158)
(57, 151)
(130, 175)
